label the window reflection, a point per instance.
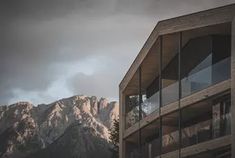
(205, 58)
(170, 132)
(170, 63)
(206, 120)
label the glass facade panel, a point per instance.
(150, 139)
(170, 132)
(150, 104)
(206, 120)
(132, 144)
(196, 124)
(221, 116)
(150, 89)
(132, 115)
(132, 101)
(205, 58)
(170, 73)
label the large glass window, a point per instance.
(132, 145)
(170, 63)
(205, 57)
(132, 101)
(170, 132)
(132, 115)
(196, 123)
(206, 120)
(221, 116)
(150, 81)
(150, 140)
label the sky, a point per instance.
(53, 49)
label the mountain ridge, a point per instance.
(26, 129)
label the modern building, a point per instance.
(178, 97)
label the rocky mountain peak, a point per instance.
(26, 124)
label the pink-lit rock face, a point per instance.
(23, 124)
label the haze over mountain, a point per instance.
(71, 127)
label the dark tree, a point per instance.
(114, 138)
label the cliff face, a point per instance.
(76, 126)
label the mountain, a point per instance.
(71, 127)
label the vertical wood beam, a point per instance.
(179, 76)
(121, 125)
(140, 109)
(121, 130)
(233, 87)
(160, 99)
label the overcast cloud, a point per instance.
(50, 49)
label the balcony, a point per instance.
(132, 146)
(134, 153)
(196, 81)
(170, 132)
(206, 120)
(150, 140)
(132, 110)
(197, 133)
(150, 104)
(170, 142)
(132, 117)
(151, 149)
(170, 93)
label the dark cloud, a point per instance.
(47, 10)
(40, 40)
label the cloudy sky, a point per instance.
(51, 49)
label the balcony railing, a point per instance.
(132, 117)
(133, 153)
(170, 93)
(206, 130)
(197, 133)
(150, 104)
(194, 134)
(151, 149)
(196, 81)
(170, 142)
(222, 126)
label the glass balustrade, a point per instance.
(132, 110)
(206, 130)
(197, 133)
(150, 104)
(134, 153)
(206, 77)
(132, 117)
(151, 149)
(222, 126)
(170, 93)
(170, 142)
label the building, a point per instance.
(178, 97)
